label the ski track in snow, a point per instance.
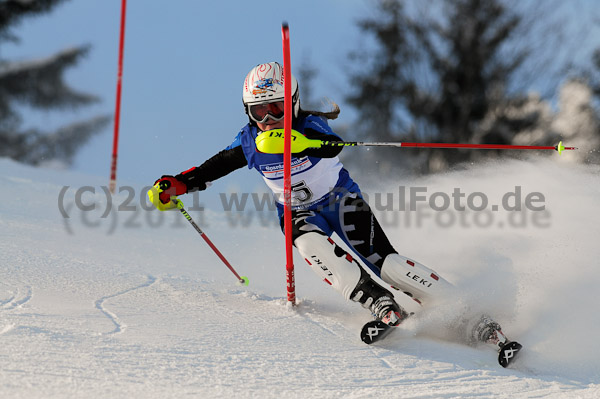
(153, 313)
(100, 305)
(19, 296)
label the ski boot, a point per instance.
(488, 331)
(388, 314)
(378, 300)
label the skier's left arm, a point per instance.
(323, 152)
(319, 132)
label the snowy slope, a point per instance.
(136, 305)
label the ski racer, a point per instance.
(325, 200)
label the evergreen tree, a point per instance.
(436, 75)
(307, 74)
(40, 84)
(595, 74)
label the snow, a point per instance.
(136, 305)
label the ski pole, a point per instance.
(271, 142)
(153, 195)
(243, 279)
(559, 147)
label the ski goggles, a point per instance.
(260, 112)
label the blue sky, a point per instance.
(184, 66)
(185, 62)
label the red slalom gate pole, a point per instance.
(115, 150)
(287, 165)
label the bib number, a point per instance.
(301, 192)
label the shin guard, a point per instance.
(334, 265)
(415, 279)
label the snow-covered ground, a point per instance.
(135, 304)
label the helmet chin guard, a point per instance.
(265, 84)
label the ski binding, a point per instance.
(374, 331)
(508, 352)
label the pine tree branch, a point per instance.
(13, 11)
(40, 83)
(35, 147)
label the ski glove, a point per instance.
(170, 186)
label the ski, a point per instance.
(374, 331)
(508, 352)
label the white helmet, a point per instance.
(265, 84)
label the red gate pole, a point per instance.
(287, 165)
(115, 150)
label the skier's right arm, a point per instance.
(199, 177)
(214, 168)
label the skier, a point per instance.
(325, 200)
